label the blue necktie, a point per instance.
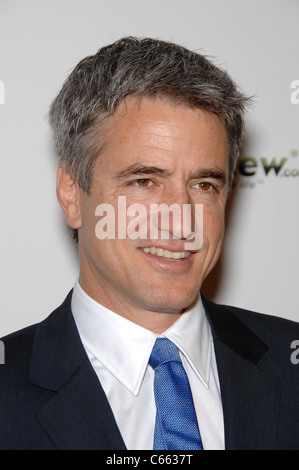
(176, 424)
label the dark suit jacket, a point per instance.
(50, 397)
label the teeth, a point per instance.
(176, 255)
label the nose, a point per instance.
(175, 216)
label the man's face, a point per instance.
(155, 153)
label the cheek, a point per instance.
(89, 223)
(132, 219)
(213, 224)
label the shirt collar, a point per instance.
(192, 335)
(106, 335)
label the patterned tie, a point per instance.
(176, 424)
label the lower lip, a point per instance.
(175, 266)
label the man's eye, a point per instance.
(143, 182)
(205, 186)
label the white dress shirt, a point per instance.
(119, 352)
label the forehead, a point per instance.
(157, 129)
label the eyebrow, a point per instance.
(138, 169)
(213, 173)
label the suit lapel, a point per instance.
(250, 399)
(250, 394)
(78, 416)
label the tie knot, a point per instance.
(164, 351)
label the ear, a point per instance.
(68, 195)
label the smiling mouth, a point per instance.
(167, 254)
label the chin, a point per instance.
(172, 301)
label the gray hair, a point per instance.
(145, 68)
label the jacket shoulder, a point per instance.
(265, 324)
(17, 350)
(19, 344)
(272, 328)
(20, 398)
(276, 337)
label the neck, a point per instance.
(156, 321)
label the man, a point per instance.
(148, 124)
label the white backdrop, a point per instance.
(257, 41)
